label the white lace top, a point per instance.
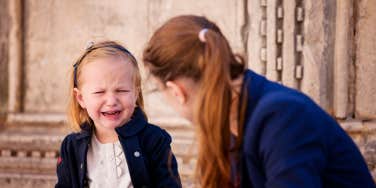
(107, 166)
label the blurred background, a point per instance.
(325, 48)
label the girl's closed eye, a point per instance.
(98, 92)
(122, 90)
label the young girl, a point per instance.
(115, 145)
(251, 132)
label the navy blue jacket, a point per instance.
(155, 167)
(290, 142)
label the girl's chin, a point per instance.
(113, 125)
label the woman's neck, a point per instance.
(234, 109)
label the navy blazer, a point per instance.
(150, 160)
(290, 142)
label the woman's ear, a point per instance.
(177, 90)
(78, 95)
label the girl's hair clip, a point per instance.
(89, 45)
(201, 34)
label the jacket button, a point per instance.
(136, 154)
(81, 166)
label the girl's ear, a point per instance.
(78, 95)
(177, 90)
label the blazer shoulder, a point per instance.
(156, 130)
(285, 98)
(71, 139)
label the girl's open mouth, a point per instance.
(111, 113)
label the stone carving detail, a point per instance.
(279, 40)
(29, 153)
(274, 72)
(299, 18)
(263, 28)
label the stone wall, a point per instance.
(323, 48)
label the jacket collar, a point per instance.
(253, 84)
(137, 122)
(86, 130)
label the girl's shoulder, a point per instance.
(74, 139)
(153, 138)
(154, 132)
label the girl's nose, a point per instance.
(111, 99)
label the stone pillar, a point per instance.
(257, 34)
(343, 62)
(365, 69)
(4, 48)
(287, 59)
(15, 56)
(365, 62)
(317, 54)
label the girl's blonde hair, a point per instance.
(106, 49)
(176, 50)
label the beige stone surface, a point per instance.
(228, 15)
(352, 126)
(370, 146)
(57, 33)
(27, 181)
(366, 61)
(370, 126)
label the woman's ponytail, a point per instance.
(212, 112)
(193, 47)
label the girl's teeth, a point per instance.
(111, 113)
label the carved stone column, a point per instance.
(4, 48)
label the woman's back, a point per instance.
(291, 142)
